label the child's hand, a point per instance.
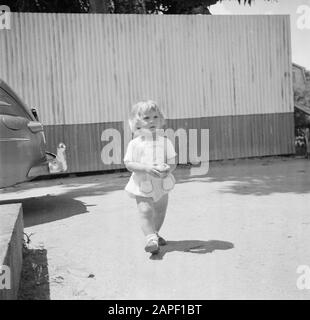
(153, 171)
(163, 169)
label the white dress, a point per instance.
(145, 150)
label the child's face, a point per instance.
(151, 121)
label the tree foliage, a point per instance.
(302, 97)
(116, 6)
(58, 6)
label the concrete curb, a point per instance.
(11, 245)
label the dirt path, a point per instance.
(240, 232)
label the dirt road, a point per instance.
(239, 232)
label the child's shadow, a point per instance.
(192, 246)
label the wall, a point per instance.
(230, 74)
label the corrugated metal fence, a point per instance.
(84, 71)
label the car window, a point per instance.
(9, 106)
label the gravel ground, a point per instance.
(239, 232)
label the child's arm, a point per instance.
(167, 168)
(170, 156)
(134, 166)
(143, 168)
(172, 164)
(172, 167)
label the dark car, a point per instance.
(23, 154)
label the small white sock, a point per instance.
(151, 236)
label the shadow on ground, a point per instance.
(34, 282)
(76, 187)
(255, 176)
(48, 208)
(192, 246)
(244, 176)
(247, 176)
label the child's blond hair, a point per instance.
(139, 109)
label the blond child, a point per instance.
(150, 157)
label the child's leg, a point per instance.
(146, 211)
(160, 208)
